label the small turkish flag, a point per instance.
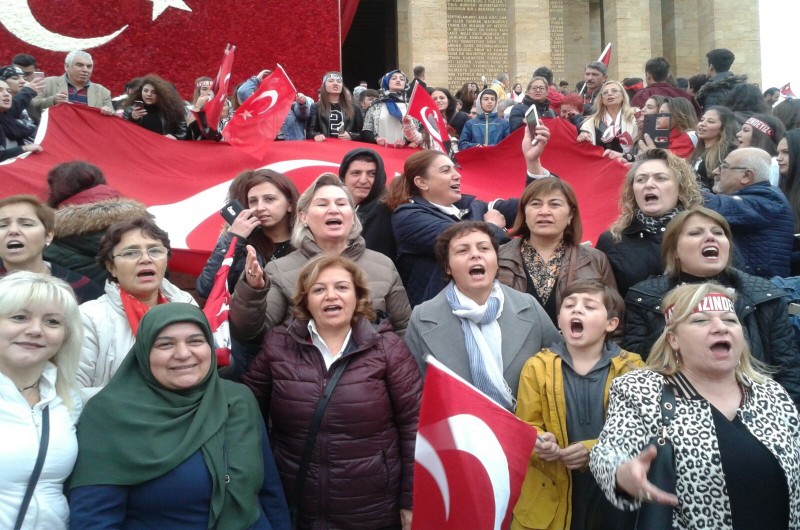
(605, 57)
(471, 456)
(217, 306)
(213, 109)
(260, 117)
(786, 90)
(422, 108)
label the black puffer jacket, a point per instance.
(760, 306)
(634, 258)
(361, 468)
(516, 117)
(714, 91)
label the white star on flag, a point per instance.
(159, 6)
(247, 114)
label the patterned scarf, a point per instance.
(655, 224)
(543, 273)
(483, 340)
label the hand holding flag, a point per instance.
(422, 108)
(213, 109)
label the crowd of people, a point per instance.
(117, 415)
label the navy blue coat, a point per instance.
(416, 226)
(762, 223)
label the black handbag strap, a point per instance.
(311, 439)
(667, 410)
(37, 468)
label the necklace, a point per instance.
(35, 385)
(278, 252)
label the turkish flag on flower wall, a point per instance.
(422, 108)
(256, 123)
(471, 456)
(179, 40)
(185, 183)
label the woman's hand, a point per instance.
(632, 479)
(547, 447)
(344, 135)
(253, 273)
(646, 144)
(170, 136)
(613, 155)
(584, 137)
(405, 519)
(244, 224)
(138, 113)
(319, 137)
(201, 102)
(575, 456)
(32, 148)
(380, 141)
(496, 218)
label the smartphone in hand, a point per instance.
(658, 126)
(231, 211)
(138, 104)
(532, 119)
(38, 75)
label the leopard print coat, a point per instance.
(634, 417)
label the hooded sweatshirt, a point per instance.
(372, 212)
(485, 129)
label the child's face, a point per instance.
(488, 103)
(583, 319)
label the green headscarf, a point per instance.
(136, 430)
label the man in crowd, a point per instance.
(500, 86)
(419, 79)
(74, 87)
(26, 63)
(594, 75)
(759, 214)
(720, 78)
(772, 95)
(487, 128)
(656, 72)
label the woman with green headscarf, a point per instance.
(168, 444)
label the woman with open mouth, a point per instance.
(548, 255)
(169, 444)
(135, 253)
(353, 469)
(27, 228)
(735, 432)
(656, 188)
(476, 326)
(425, 201)
(326, 224)
(697, 248)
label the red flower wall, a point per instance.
(179, 45)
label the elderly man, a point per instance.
(74, 87)
(760, 216)
(594, 75)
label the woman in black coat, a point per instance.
(697, 248)
(335, 115)
(656, 188)
(157, 106)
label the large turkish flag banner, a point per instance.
(179, 40)
(471, 456)
(184, 184)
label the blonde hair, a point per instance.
(683, 300)
(25, 290)
(688, 190)
(625, 109)
(300, 231)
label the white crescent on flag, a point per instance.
(429, 121)
(272, 94)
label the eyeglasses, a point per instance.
(538, 88)
(723, 166)
(611, 91)
(135, 254)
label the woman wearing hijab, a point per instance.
(168, 444)
(383, 123)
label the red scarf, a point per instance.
(134, 309)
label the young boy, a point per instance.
(563, 392)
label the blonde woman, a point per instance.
(612, 125)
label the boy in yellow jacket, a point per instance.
(563, 392)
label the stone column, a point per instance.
(731, 24)
(422, 39)
(627, 27)
(529, 38)
(580, 46)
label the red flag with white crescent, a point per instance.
(786, 90)
(259, 118)
(213, 109)
(184, 184)
(422, 108)
(216, 309)
(605, 57)
(470, 459)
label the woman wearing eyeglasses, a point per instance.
(135, 253)
(535, 94)
(613, 125)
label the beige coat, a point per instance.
(99, 96)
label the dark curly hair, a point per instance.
(169, 103)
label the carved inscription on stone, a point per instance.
(477, 35)
(557, 53)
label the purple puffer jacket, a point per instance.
(361, 469)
